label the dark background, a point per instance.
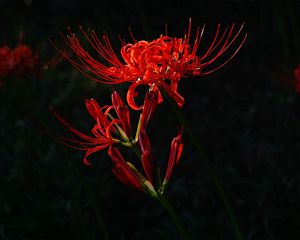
(246, 116)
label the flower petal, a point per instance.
(122, 112)
(122, 171)
(147, 161)
(131, 94)
(173, 94)
(175, 153)
(150, 104)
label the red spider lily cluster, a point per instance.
(159, 64)
(20, 61)
(113, 127)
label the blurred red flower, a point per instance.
(297, 78)
(290, 77)
(19, 61)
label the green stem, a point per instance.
(137, 151)
(210, 170)
(165, 203)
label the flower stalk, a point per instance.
(159, 64)
(209, 168)
(168, 207)
(161, 198)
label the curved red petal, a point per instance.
(147, 161)
(122, 112)
(150, 104)
(175, 153)
(173, 94)
(131, 94)
(121, 169)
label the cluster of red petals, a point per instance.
(105, 131)
(112, 127)
(19, 61)
(123, 171)
(129, 175)
(126, 172)
(159, 63)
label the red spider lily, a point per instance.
(174, 157)
(19, 61)
(150, 104)
(129, 175)
(123, 171)
(147, 161)
(148, 164)
(175, 153)
(159, 63)
(107, 130)
(122, 112)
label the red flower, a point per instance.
(290, 78)
(123, 171)
(148, 164)
(107, 129)
(128, 174)
(146, 153)
(23, 60)
(150, 104)
(19, 61)
(112, 128)
(175, 153)
(159, 63)
(122, 112)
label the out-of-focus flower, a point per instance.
(20, 61)
(24, 60)
(4, 61)
(290, 78)
(297, 78)
(159, 63)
